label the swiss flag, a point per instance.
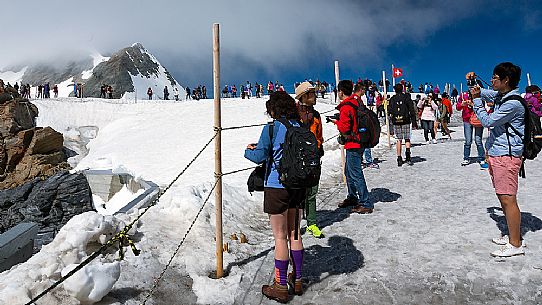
(397, 72)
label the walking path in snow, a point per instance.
(428, 241)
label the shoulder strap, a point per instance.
(352, 105)
(285, 122)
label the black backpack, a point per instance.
(368, 133)
(400, 114)
(299, 167)
(532, 138)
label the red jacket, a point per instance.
(347, 121)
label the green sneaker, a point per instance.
(315, 231)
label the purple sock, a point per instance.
(297, 261)
(281, 272)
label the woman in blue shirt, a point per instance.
(280, 203)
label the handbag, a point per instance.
(474, 121)
(256, 180)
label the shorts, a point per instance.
(402, 132)
(277, 201)
(504, 172)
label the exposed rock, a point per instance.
(51, 202)
(27, 151)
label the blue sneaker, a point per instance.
(484, 165)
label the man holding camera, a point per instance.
(358, 195)
(504, 146)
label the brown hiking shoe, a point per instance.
(347, 202)
(296, 284)
(276, 292)
(361, 210)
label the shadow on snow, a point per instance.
(529, 222)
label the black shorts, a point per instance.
(277, 201)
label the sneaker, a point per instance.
(501, 240)
(315, 231)
(508, 250)
(434, 141)
(465, 162)
(428, 142)
(374, 166)
(484, 165)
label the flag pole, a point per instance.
(528, 79)
(385, 103)
(392, 76)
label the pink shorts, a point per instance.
(504, 172)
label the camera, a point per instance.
(471, 82)
(329, 118)
(341, 139)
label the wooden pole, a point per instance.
(218, 152)
(385, 103)
(336, 77)
(528, 79)
(343, 159)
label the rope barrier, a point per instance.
(333, 137)
(246, 126)
(239, 170)
(328, 111)
(123, 237)
(157, 281)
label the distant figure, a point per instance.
(103, 88)
(40, 92)
(110, 91)
(55, 91)
(176, 93)
(204, 91)
(166, 93)
(187, 93)
(149, 93)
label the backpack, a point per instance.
(400, 114)
(368, 133)
(299, 166)
(532, 138)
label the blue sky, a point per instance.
(431, 40)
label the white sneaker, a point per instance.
(501, 240)
(434, 141)
(465, 162)
(508, 250)
(428, 142)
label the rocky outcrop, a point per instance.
(27, 151)
(34, 182)
(51, 202)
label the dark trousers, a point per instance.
(428, 128)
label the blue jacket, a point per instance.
(512, 111)
(265, 147)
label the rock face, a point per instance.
(26, 151)
(51, 202)
(34, 182)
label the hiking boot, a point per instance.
(315, 231)
(508, 250)
(361, 210)
(348, 202)
(295, 284)
(276, 292)
(484, 165)
(399, 161)
(465, 162)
